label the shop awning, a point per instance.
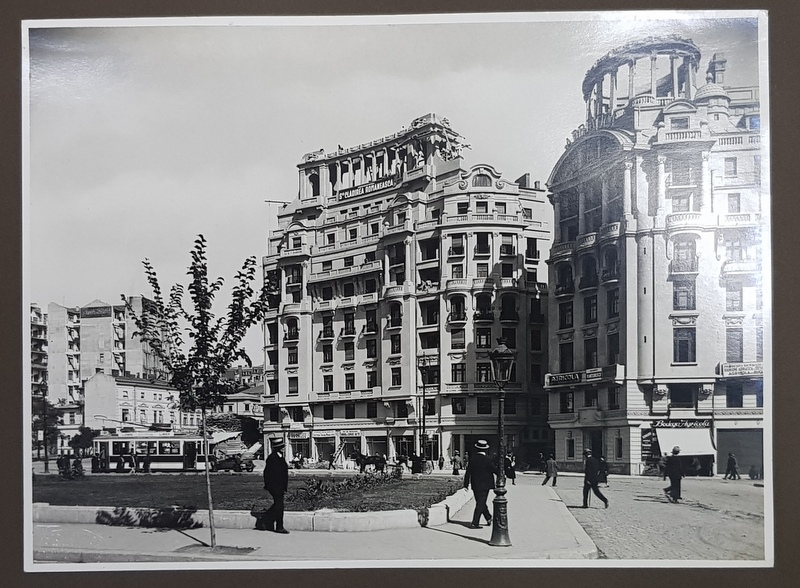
(691, 441)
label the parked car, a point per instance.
(236, 463)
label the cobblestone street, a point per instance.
(717, 520)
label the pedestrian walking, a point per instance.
(603, 478)
(732, 469)
(441, 462)
(457, 464)
(276, 482)
(542, 463)
(416, 465)
(551, 471)
(591, 476)
(508, 465)
(674, 471)
(480, 474)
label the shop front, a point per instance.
(695, 439)
(299, 445)
(325, 445)
(377, 445)
(351, 443)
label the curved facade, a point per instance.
(397, 270)
(655, 271)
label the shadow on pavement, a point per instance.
(463, 524)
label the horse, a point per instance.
(364, 460)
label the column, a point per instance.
(462, 446)
(581, 211)
(556, 220)
(627, 203)
(337, 185)
(631, 78)
(705, 198)
(613, 94)
(673, 63)
(662, 184)
(688, 86)
(604, 200)
(653, 58)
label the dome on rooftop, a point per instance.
(710, 90)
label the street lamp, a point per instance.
(502, 364)
(424, 363)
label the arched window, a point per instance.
(458, 308)
(395, 314)
(292, 330)
(313, 179)
(610, 263)
(482, 181)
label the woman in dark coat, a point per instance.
(509, 464)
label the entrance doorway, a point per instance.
(593, 439)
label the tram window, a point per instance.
(145, 447)
(169, 447)
(119, 448)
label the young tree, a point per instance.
(82, 441)
(197, 365)
(46, 419)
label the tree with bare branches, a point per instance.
(197, 347)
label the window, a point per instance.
(331, 238)
(372, 348)
(759, 390)
(349, 261)
(510, 405)
(350, 410)
(565, 402)
(733, 297)
(484, 405)
(327, 412)
(759, 344)
(500, 207)
(683, 295)
(482, 207)
(327, 266)
(349, 351)
(590, 309)
(734, 203)
(482, 270)
(527, 213)
(459, 405)
(327, 353)
(457, 245)
(457, 339)
(679, 124)
(372, 379)
(613, 398)
(349, 381)
(565, 357)
(369, 256)
(735, 249)
(733, 396)
(536, 340)
(397, 378)
(532, 248)
(613, 348)
(327, 293)
(462, 207)
(401, 409)
(684, 256)
(590, 397)
(353, 234)
(349, 289)
(483, 338)
(457, 270)
(612, 299)
(482, 244)
(349, 323)
(510, 335)
(458, 372)
(430, 406)
(684, 345)
(731, 167)
(292, 356)
(482, 181)
(274, 415)
(590, 353)
(395, 316)
(327, 383)
(618, 447)
(370, 286)
(372, 321)
(734, 345)
(507, 270)
(565, 315)
(293, 389)
(395, 343)
(483, 372)
(570, 448)
(374, 228)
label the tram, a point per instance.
(150, 451)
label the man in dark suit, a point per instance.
(674, 471)
(591, 476)
(276, 482)
(480, 473)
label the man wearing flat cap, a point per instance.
(480, 473)
(591, 476)
(276, 482)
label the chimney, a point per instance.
(537, 185)
(716, 68)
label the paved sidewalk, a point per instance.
(540, 526)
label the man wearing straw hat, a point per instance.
(480, 473)
(276, 482)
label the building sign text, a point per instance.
(366, 189)
(683, 424)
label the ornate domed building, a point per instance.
(655, 271)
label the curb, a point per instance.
(584, 547)
(325, 520)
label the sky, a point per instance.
(141, 137)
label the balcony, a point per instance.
(292, 335)
(457, 284)
(457, 251)
(457, 316)
(481, 249)
(506, 250)
(610, 275)
(685, 266)
(483, 283)
(348, 331)
(741, 267)
(684, 220)
(589, 281)
(303, 250)
(370, 328)
(483, 316)
(508, 283)
(565, 289)
(740, 219)
(394, 322)
(610, 231)
(396, 290)
(532, 255)
(540, 287)
(562, 249)
(587, 240)
(509, 316)
(405, 226)
(397, 261)
(536, 319)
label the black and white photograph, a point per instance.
(469, 290)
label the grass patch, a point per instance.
(235, 492)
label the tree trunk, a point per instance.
(207, 451)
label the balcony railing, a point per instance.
(742, 266)
(371, 327)
(506, 250)
(532, 254)
(510, 316)
(292, 335)
(394, 321)
(395, 261)
(564, 289)
(589, 281)
(483, 316)
(482, 249)
(684, 266)
(456, 251)
(348, 331)
(610, 274)
(457, 316)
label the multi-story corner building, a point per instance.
(95, 338)
(656, 310)
(38, 351)
(397, 270)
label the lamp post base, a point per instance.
(500, 536)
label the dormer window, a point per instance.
(679, 124)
